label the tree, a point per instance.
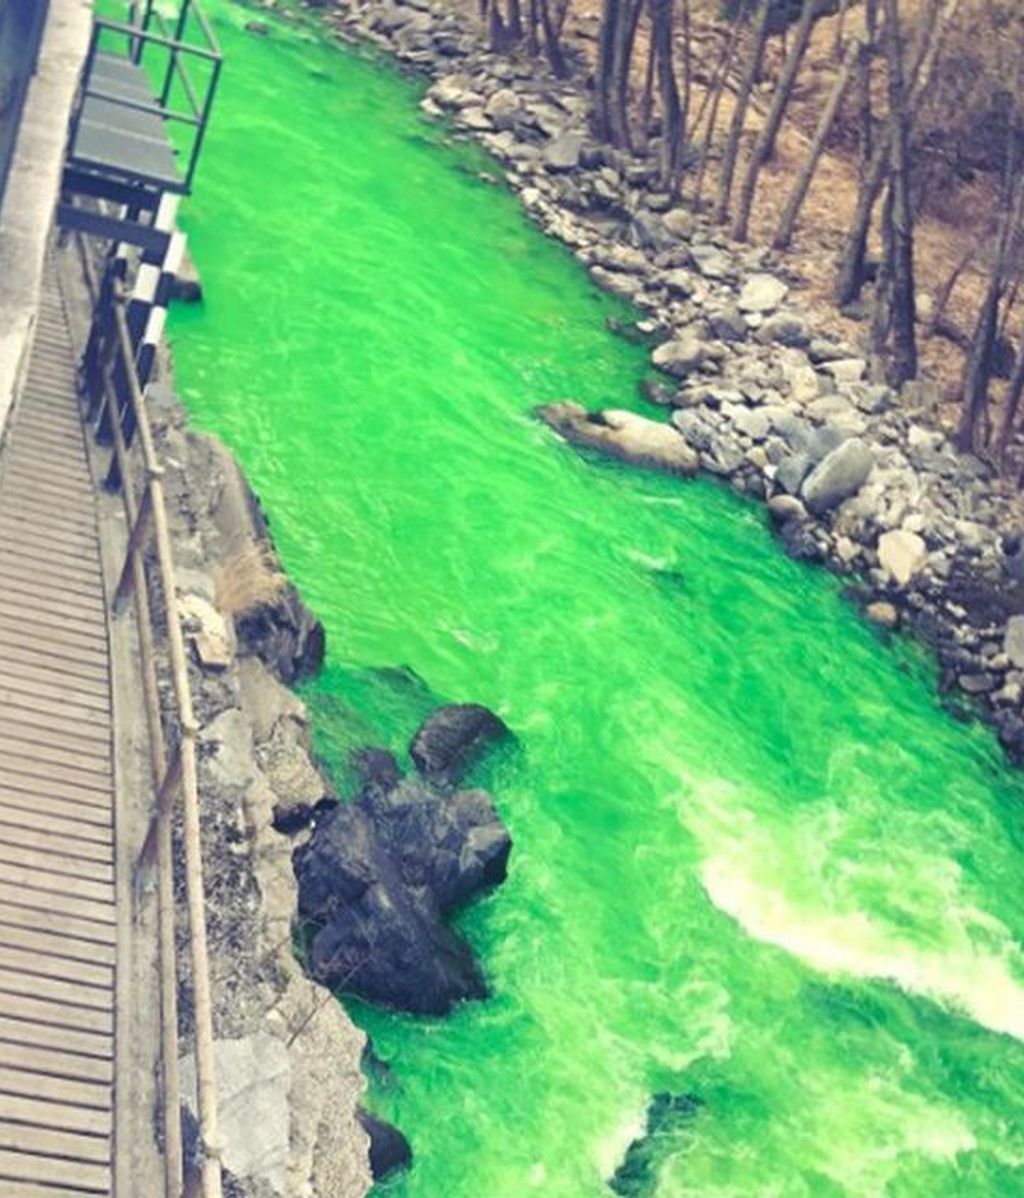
(764, 146)
(750, 77)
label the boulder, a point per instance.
(563, 152)
(783, 508)
(624, 435)
(681, 356)
(785, 328)
(390, 1151)
(1013, 642)
(449, 741)
(901, 554)
(837, 476)
(727, 324)
(378, 878)
(503, 108)
(679, 223)
(882, 613)
(762, 293)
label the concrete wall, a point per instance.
(33, 184)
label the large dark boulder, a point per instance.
(452, 738)
(380, 875)
(667, 1116)
(389, 1149)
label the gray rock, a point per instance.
(838, 475)
(679, 282)
(563, 153)
(679, 223)
(785, 329)
(727, 324)
(451, 738)
(978, 683)
(762, 293)
(624, 435)
(882, 613)
(503, 108)
(253, 1093)
(752, 422)
(792, 471)
(847, 370)
(901, 554)
(1013, 641)
(784, 508)
(681, 356)
(712, 262)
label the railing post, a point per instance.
(135, 541)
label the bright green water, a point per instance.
(753, 860)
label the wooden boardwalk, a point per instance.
(57, 894)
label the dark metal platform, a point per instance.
(126, 135)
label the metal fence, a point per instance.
(21, 31)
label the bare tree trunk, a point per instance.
(837, 48)
(750, 76)
(714, 94)
(852, 271)
(903, 316)
(515, 21)
(647, 98)
(603, 119)
(684, 114)
(864, 82)
(532, 44)
(764, 146)
(671, 138)
(552, 42)
(1014, 393)
(945, 292)
(855, 50)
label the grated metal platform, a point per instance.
(57, 893)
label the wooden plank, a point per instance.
(39, 920)
(39, 512)
(47, 493)
(76, 786)
(55, 944)
(58, 840)
(34, 457)
(22, 573)
(30, 680)
(33, 561)
(78, 547)
(88, 628)
(57, 1014)
(80, 973)
(52, 857)
(31, 877)
(90, 769)
(49, 798)
(61, 1116)
(49, 727)
(55, 597)
(89, 837)
(93, 1095)
(90, 1045)
(17, 656)
(78, 1005)
(25, 1189)
(24, 1166)
(21, 1137)
(88, 911)
(24, 706)
(43, 1059)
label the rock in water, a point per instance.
(379, 876)
(637, 1176)
(837, 476)
(389, 1149)
(625, 435)
(451, 739)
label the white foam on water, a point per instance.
(610, 1152)
(977, 983)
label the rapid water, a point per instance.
(754, 862)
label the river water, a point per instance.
(754, 862)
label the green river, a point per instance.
(754, 861)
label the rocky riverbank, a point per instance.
(755, 391)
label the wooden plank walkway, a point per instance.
(57, 896)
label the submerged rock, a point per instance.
(379, 876)
(450, 740)
(390, 1151)
(667, 1114)
(624, 435)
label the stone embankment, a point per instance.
(754, 391)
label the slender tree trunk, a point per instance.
(515, 22)
(715, 89)
(945, 292)
(787, 225)
(1014, 393)
(764, 146)
(852, 264)
(552, 42)
(903, 316)
(684, 114)
(610, 17)
(647, 98)
(837, 48)
(864, 82)
(532, 45)
(750, 77)
(662, 26)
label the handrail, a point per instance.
(135, 32)
(139, 106)
(174, 773)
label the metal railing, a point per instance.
(172, 737)
(170, 39)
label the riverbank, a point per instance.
(855, 476)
